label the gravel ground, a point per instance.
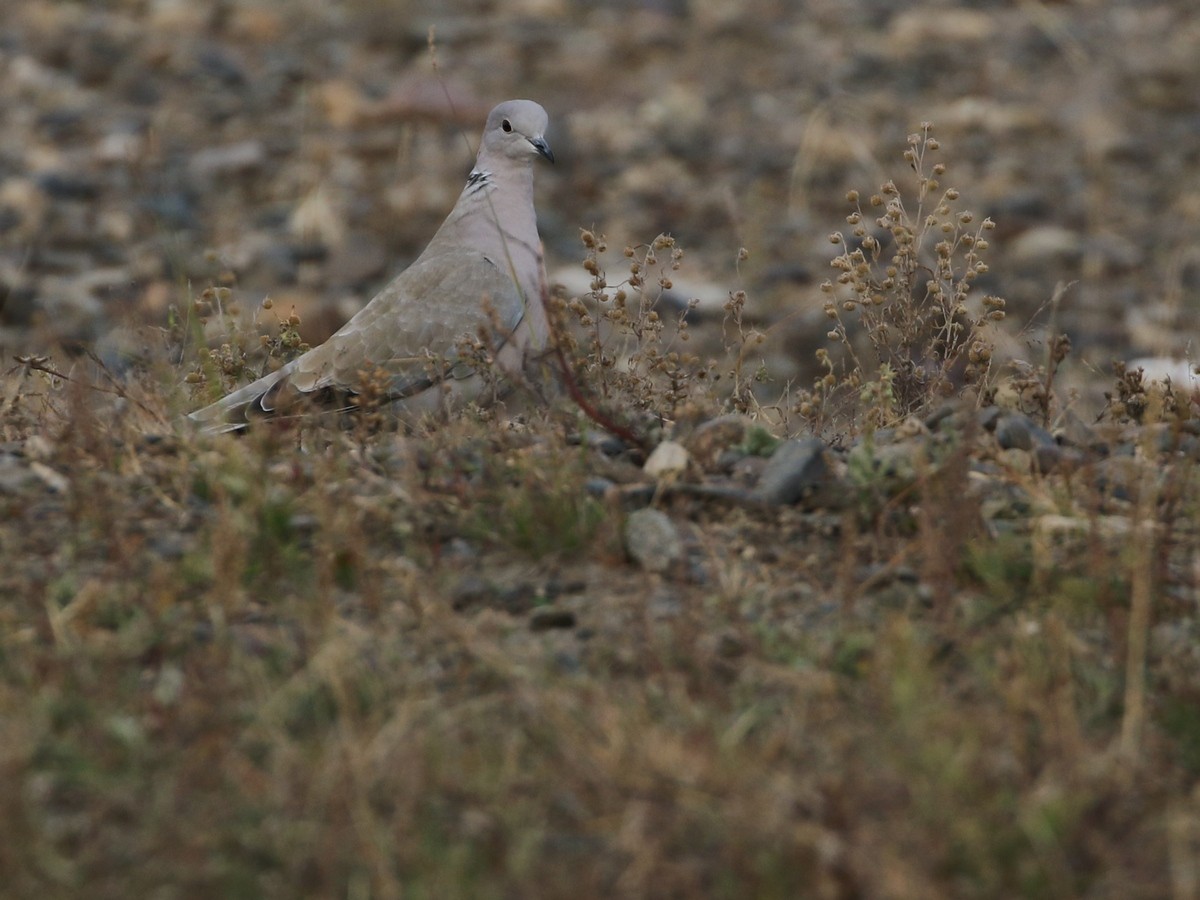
(306, 151)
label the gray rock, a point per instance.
(730, 459)
(607, 444)
(1051, 457)
(546, 618)
(797, 469)
(172, 209)
(598, 487)
(664, 604)
(1017, 431)
(948, 415)
(1045, 245)
(989, 416)
(68, 186)
(652, 540)
(471, 590)
(1119, 477)
(747, 470)
(1013, 432)
(230, 159)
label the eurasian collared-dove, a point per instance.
(482, 272)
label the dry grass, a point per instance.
(235, 668)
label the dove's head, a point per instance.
(516, 129)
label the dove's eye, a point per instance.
(506, 125)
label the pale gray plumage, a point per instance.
(482, 270)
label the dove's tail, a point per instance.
(235, 411)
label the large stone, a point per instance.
(797, 469)
(652, 540)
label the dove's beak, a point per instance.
(540, 145)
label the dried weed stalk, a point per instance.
(901, 307)
(631, 355)
(244, 354)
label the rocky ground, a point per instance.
(306, 150)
